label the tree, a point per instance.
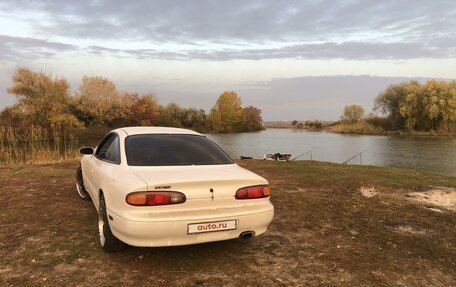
(194, 119)
(388, 103)
(411, 106)
(14, 116)
(98, 101)
(439, 100)
(251, 119)
(294, 122)
(314, 124)
(353, 113)
(44, 100)
(140, 110)
(171, 115)
(226, 115)
(449, 107)
(215, 120)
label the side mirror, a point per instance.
(86, 150)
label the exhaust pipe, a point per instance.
(247, 235)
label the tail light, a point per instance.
(257, 191)
(153, 198)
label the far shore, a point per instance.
(384, 133)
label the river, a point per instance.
(431, 154)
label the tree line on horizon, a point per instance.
(46, 101)
(408, 106)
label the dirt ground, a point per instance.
(324, 233)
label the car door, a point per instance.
(106, 161)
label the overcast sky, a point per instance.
(292, 59)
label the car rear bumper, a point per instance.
(174, 233)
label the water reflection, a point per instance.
(433, 154)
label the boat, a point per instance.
(277, 156)
(246, 157)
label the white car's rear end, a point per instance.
(173, 187)
(210, 213)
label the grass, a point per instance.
(324, 233)
(364, 127)
(314, 173)
(35, 145)
(360, 127)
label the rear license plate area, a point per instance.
(213, 226)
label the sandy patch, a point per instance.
(410, 230)
(437, 197)
(368, 192)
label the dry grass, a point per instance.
(34, 145)
(360, 127)
(324, 233)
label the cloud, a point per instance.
(331, 50)
(17, 48)
(223, 30)
(327, 50)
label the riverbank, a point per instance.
(361, 129)
(325, 232)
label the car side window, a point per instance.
(109, 149)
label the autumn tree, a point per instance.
(195, 119)
(449, 108)
(251, 119)
(388, 103)
(139, 110)
(171, 115)
(412, 106)
(43, 99)
(98, 102)
(314, 124)
(215, 121)
(353, 113)
(226, 115)
(439, 104)
(14, 116)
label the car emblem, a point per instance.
(163, 187)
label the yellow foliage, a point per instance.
(353, 113)
(416, 107)
(99, 100)
(226, 115)
(44, 99)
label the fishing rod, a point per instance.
(358, 154)
(293, 159)
(264, 152)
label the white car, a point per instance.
(155, 186)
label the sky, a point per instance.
(292, 59)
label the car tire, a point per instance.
(80, 188)
(108, 241)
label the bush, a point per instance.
(361, 127)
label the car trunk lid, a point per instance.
(198, 182)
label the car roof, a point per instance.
(156, 130)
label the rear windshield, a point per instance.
(165, 149)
